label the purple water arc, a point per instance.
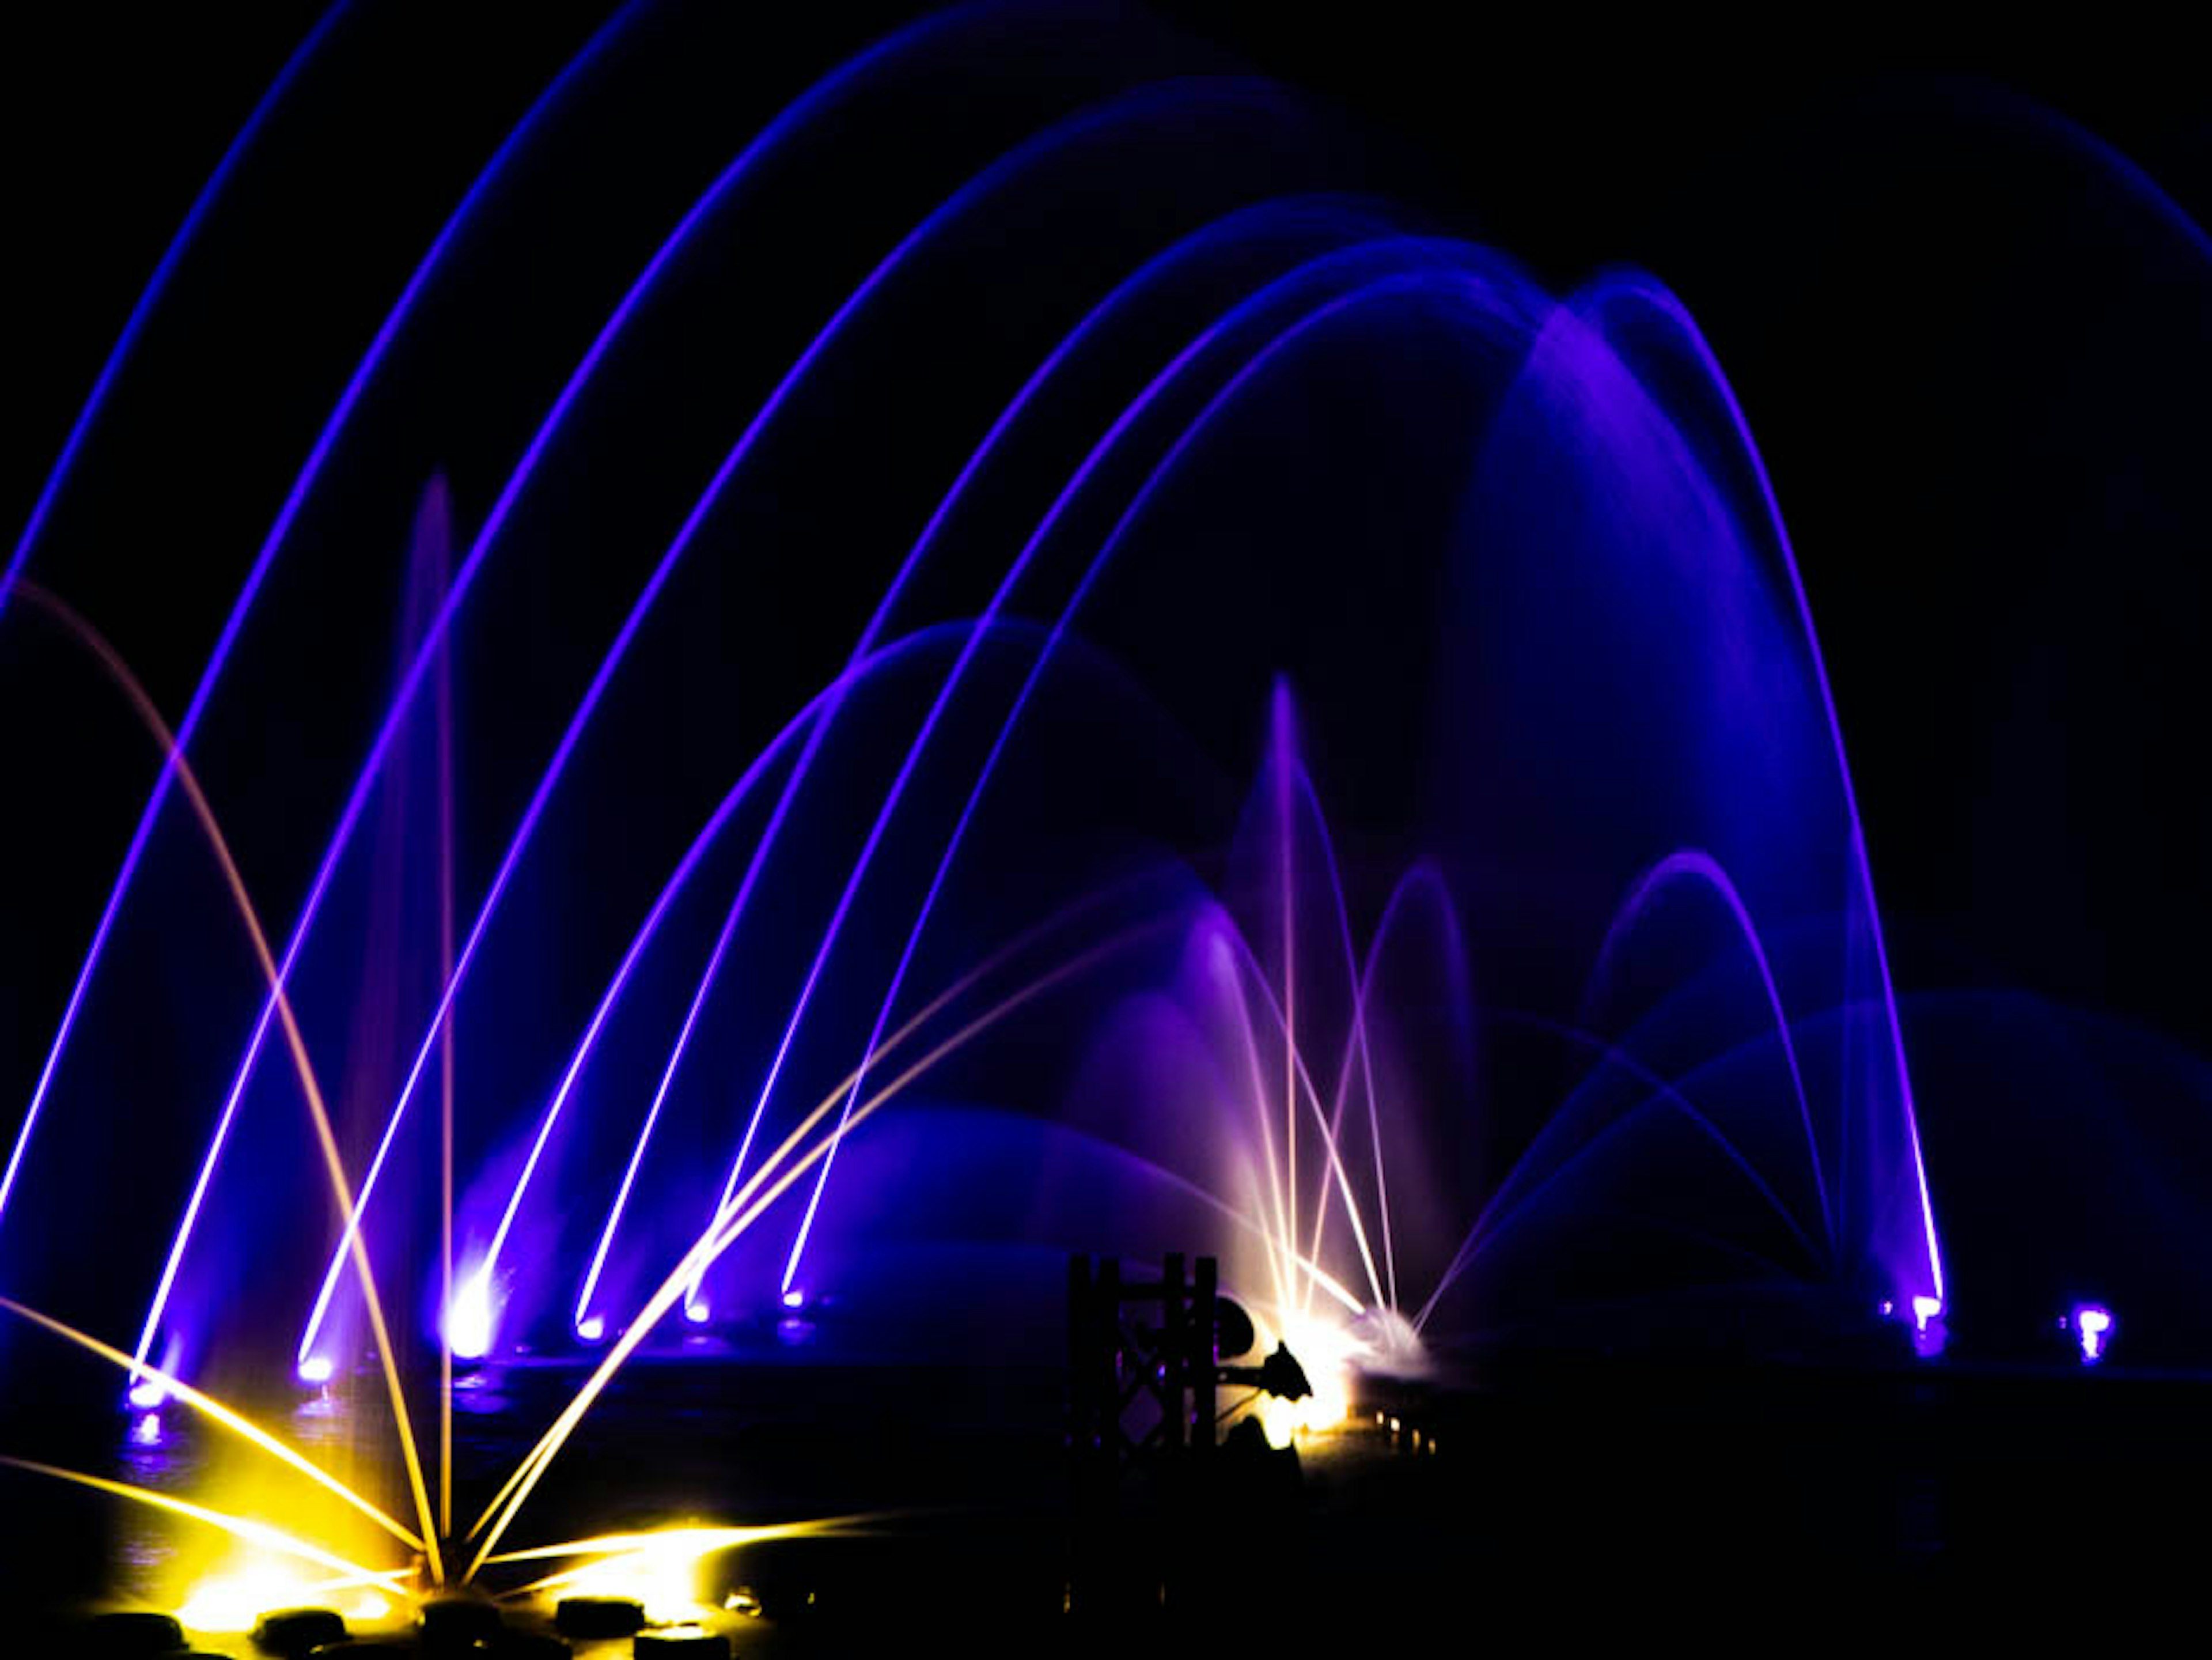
(1289, 213)
(58, 475)
(1492, 1221)
(1672, 309)
(1694, 865)
(1311, 271)
(294, 502)
(1253, 305)
(1378, 288)
(1011, 165)
(821, 95)
(809, 718)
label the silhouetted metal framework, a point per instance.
(1142, 1377)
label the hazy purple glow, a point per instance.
(1925, 1308)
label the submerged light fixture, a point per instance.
(2093, 1327)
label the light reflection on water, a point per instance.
(172, 1451)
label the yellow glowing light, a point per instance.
(233, 1600)
(209, 1407)
(659, 1569)
(1325, 1352)
(237, 1527)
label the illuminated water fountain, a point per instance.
(576, 1011)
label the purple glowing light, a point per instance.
(316, 1369)
(698, 1313)
(146, 1395)
(2093, 1324)
(592, 1328)
(470, 1316)
(795, 1297)
(1925, 1310)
